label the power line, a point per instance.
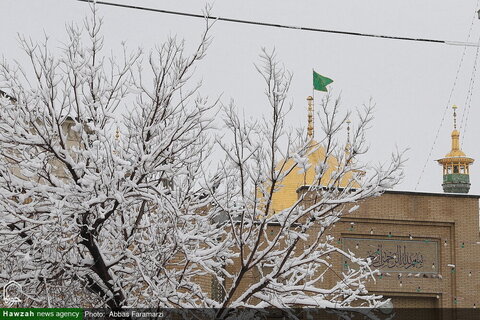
(282, 26)
(450, 98)
(468, 101)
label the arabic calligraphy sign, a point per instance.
(397, 255)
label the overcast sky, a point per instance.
(410, 82)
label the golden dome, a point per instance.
(306, 175)
(286, 194)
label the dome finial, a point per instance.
(310, 117)
(348, 130)
(347, 145)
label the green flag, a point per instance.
(320, 82)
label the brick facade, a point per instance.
(448, 223)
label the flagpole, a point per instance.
(313, 95)
(313, 90)
(319, 83)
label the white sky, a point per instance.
(409, 81)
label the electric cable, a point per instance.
(350, 33)
(283, 26)
(468, 100)
(448, 102)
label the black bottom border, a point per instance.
(292, 313)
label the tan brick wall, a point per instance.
(451, 220)
(447, 220)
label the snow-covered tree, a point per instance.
(94, 218)
(88, 217)
(282, 257)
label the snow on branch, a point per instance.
(140, 218)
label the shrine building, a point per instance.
(425, 245)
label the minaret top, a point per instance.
(455, 152)
(456, 171)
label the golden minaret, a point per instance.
(456, 171)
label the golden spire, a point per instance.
(310, 117)
(455, 152)
(348, 131)
(347, 146)
(454, 116)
